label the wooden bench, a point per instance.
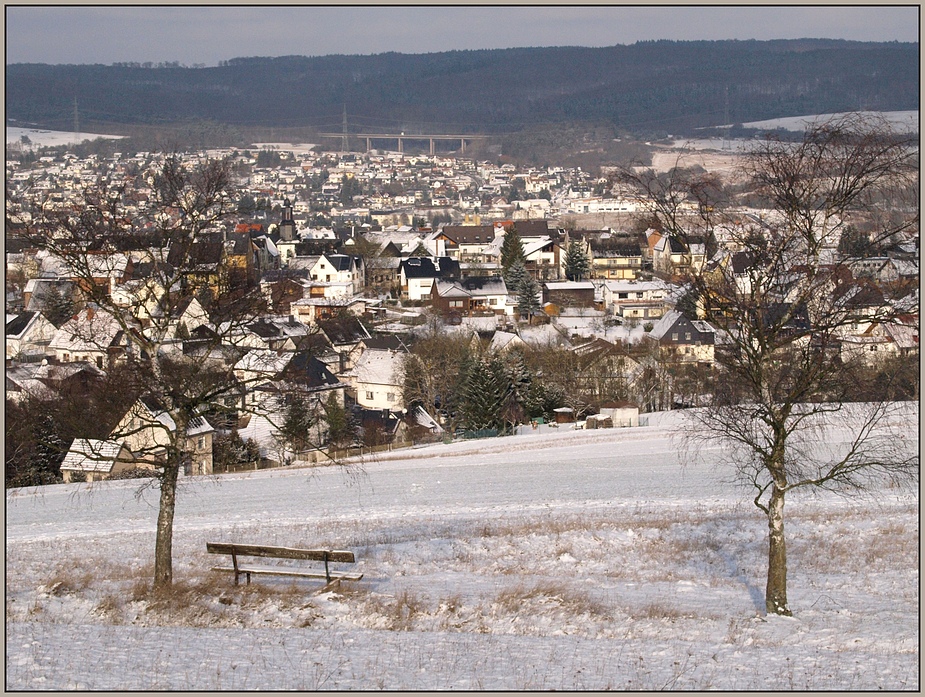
(325, 555)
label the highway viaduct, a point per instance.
(401, 137)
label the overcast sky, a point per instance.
(207, 35)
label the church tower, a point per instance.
(287, 224)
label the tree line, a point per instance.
(688, 84)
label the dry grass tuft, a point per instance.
(398, 613)
(67, 580)
(515, 599)
(656, 610)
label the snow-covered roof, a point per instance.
(265, 361)
(91, 455)
(378, 368)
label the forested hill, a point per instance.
(645, 88)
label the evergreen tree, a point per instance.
(484, 396)
(512, 249)
(298, 421)
(57, 306)
(577, 266)
(231, 450)
(515, 275)
(528, 293)
(341, 428)
(687, 304)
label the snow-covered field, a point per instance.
(902, 121)
(41, 137)
(556, 559)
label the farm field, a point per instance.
(556, 559)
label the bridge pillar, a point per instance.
(399, 146)
(367, 145)
(431, 147)
(462, 146)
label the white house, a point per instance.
(377, 379)
(90, 336)
(342, 271)
(640, 299)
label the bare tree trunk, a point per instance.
(776, 593)
(163, 543)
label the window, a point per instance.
(638, 295)
(674, 336)
(456, 303)
(390, 396)
(369, 396)
(201, 442)
(687, 336)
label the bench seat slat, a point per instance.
(336, 555)
(283, 571)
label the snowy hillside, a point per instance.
(556, 559)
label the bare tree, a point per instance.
(784, 407)
(101, 237)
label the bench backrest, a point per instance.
(280, 552)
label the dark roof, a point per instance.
(308, 371)
(531, 228)
(341, 262)
(343, 330)
(199, 253)
(470, 234)
(18, 324)
(314, 343)
(241, 242)
(741, 262)
(385, 343)
(382, 419)
(423, 267)
(264, 329)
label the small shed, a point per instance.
(621, 413)
(564, 415)
(598, 421)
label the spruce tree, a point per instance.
(298, 421)
(484, 395)
(341, 427)
(528, 292)
(577, 265)
(512, 250)
(515, 275)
